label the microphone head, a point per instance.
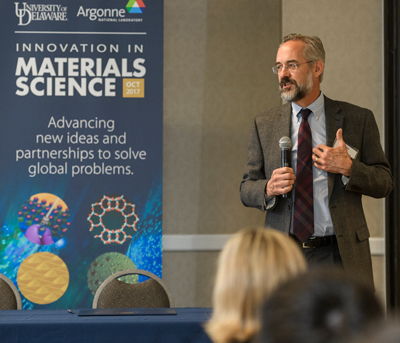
(285, 143)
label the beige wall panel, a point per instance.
(239, 85)
(184, 55)
(217, 64)
(190, 277)
(217, 76)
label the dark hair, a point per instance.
(321, 306)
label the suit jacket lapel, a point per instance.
(277, 126)
(334, 121)
(284, 118)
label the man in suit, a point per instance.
(347, 162)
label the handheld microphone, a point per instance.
(285, 144)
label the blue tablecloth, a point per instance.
(53, 326)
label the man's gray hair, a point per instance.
(313, 48)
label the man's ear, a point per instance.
(318, 68)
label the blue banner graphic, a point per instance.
(81, 145)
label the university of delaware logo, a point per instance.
(39, 12)
(22, 13)
(135, 6)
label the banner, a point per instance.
(81, 145)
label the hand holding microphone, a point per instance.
(282, 179)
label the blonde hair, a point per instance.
(250, 267)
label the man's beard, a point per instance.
(297, 92)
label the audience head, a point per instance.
(321, 306)
(250, 267)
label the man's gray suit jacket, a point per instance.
(370, 175)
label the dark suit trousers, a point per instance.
(327, 255)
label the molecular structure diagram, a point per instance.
(106, 205)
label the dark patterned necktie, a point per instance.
(303, 215)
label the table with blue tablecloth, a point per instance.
(53, 326)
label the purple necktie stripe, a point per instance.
(303, 216)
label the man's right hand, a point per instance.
(281, 182)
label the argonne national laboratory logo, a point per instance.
(135, 6)
(114, 14)
(39, 12)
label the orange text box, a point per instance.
(133, 88)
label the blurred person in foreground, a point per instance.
(321, 306)
(252, 264)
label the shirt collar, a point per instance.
(316, 107)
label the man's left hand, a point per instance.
(333, 160)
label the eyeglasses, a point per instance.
(289, 66)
